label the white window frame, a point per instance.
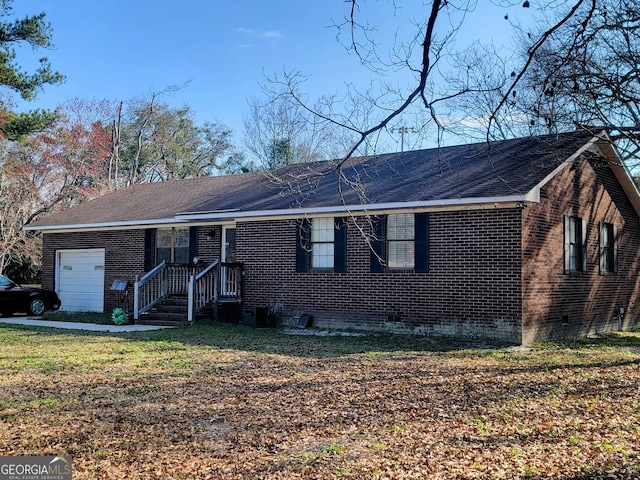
(575, 244)
(322, 242)
(401, 236)
(608, 241)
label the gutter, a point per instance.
(221, 216)
(488, 202)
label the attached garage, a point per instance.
(80, 280)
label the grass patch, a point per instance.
(333, 449)
(143, 390)
(230, 401)
(79, 317)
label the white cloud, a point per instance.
(272, 34)
(260, 33)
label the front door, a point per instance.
(229, 274)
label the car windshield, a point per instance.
(5, 282)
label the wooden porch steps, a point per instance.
(215, 290)
(173, 312)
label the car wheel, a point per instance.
(37, 306)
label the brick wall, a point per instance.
(209, 249)
(556, 304)
(471, 290)
(495, 273)
(124, 256)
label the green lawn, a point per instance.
(227, 401)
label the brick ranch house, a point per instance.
(519, 240)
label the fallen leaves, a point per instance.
(150, 408)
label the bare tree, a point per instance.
(114, 158)
(279, 131)
(446, 75)
(419, 54)
(586, 74)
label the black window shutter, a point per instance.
(193, 243)
(602, 251)
(303, 245)
(567, 241)
(422, 242)
(377, 255)
(615, 248)
(583, 245)
(340, 246)
(149, 253)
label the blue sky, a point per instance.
(220, 51)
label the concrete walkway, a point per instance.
(92, 327)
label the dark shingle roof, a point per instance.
(500, 169)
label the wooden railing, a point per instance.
(231, 281)
(202, 290)
(203, 286)
(165, 279)
(219, 281)
(150, 290)
(178, 277)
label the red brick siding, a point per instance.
(209, 250)
(124, 256)
(556, 304)
(472, 288)
(495, 273)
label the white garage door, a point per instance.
(80, 280)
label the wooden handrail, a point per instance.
(207, 270)
(217, 281)
(202, 290)
(149, 290)
(151, 273)
(231, 280)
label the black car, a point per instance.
(16, 298)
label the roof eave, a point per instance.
(362, 209)
(621, 171)
(534, 193)
(104, 225)
(357, 208)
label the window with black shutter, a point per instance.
(575, 244)
(173, 245)
(303, 246)
(400, 241)
(608, 248)
(340, 246)
(321, 244)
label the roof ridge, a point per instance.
(449, 173)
